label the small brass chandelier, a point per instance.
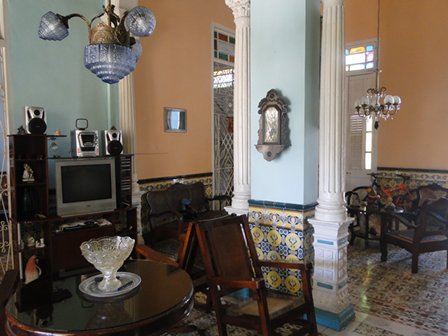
(113, 50)
(376, 103)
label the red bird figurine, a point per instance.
(32, 271)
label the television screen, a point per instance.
(85, 185)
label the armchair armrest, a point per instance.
(397, 216)
(437, 216)
(148, 253)
(284, 264)
(220, 198)
(177, 215)
(236, 283)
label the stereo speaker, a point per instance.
(35, 120)
(112, 142)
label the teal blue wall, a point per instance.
(52, 74)
(285, 56)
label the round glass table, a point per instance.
(58, 307)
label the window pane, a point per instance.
(360, 57)
(357, 50)
(357, 67)
(369, 124)
(368, 141)
(369, 56)
(368, 161)
(356, 58)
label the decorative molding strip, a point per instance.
(437, 171)
(163, 183)
(418, 177)
(326, 242)
(324, 285)
(168, 178)
(335, 321)
(281, 205)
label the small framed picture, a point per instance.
(175, 119)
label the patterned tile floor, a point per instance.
(388, 299)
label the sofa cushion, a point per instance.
(199, 202)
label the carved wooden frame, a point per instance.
(273, 131)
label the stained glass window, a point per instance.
(223, 46)
(360, 57)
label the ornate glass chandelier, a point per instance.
(376, 103)
(113, 50)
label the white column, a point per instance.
(126, 110)
(127, 125)
(241, 103)
(330, 222)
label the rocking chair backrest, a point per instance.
(228, 253)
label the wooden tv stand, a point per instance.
(66, 254)
(34, 219)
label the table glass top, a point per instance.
(58, 305)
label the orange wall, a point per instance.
(175, 70)
(413, 51)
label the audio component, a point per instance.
(35, 120)
(111, 142)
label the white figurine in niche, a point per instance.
(28, 174)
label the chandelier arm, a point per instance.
(68, 17)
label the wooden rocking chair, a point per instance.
(231, 264)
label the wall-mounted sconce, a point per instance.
(175, 119)
(273, 132)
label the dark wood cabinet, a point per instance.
(37, 229)
(29, 193)
(65, 244)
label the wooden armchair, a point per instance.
(7, 287)
(232, 265)
(427, 233)
(187, 258)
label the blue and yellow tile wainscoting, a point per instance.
(163, 183)
(417, 177)
(282, 231)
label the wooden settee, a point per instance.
(164, 212)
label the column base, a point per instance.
(336, 321)
(236, 211)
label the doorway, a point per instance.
(223, 83)
(223, 128)
(361, 135)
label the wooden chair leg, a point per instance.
(313, 327)
(383, 247)
(415, 263)
(222, 328)
(446, 258)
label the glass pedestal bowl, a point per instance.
(108, 254)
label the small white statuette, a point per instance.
(30, 241)
(28, 174)
(40, 243)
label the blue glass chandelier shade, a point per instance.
(109, 62)
(113, 52)
(140, 21)
(52, 28)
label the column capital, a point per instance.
(123, 4)
(239, 8)
(332, 2)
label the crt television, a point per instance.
(85, 186)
